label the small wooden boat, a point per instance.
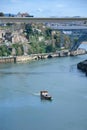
(44, 95)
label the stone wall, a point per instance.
(25, 58)
(7, 59)
(78, 52)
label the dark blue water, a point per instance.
(21, 107)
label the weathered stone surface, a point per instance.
(2, 33)
(13, 37)
(78, 52)
(7, 59)
(18, 38)
(64, 53)
(23, 58)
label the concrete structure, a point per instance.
(7, 59)
(39, 20)
(79, 32)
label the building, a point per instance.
(24, 15)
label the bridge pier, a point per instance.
(62, 39)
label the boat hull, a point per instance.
(46, 97)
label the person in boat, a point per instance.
(45, 94)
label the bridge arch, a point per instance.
(80, 40)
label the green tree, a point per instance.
(0, 52)
(18, 49)
(49, 48)
(57, 41)
(48, 32)
(1, 14)
(28, 30)
(4, 50)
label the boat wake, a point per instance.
(27, 92)
(36, 94)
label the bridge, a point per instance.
(39, 20)
(80, 31)
(69, 28)
(73, 31)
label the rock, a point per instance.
(83, 66)
(78, 52)
(18, 38)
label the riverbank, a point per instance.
(39, 56)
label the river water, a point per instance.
(21, 107)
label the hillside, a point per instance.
(24, 39)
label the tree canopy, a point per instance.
(1, 14)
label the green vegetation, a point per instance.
(51, 42)
(40, 40)
(4, 51)
(1, 14)
(28, 30)
(18, 49)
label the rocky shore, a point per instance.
(78, 52)
(83, 66)
(26, 58)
